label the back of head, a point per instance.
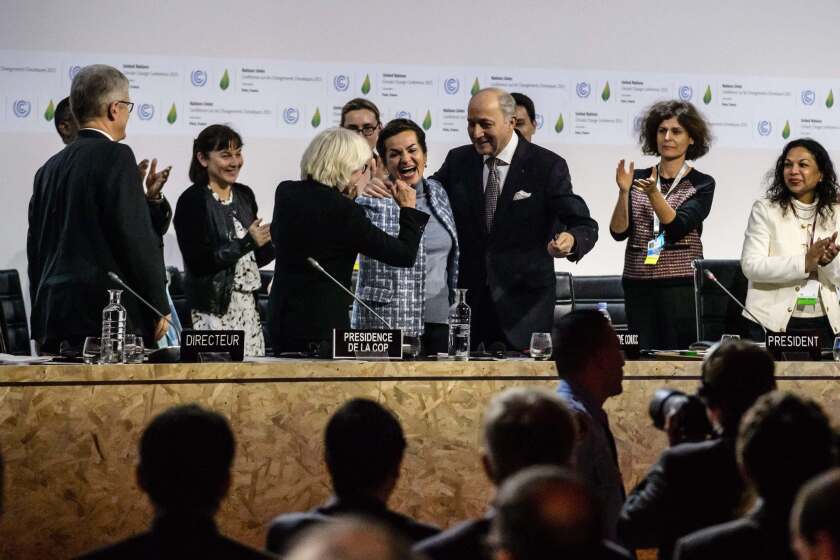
(348, 538)
(784, 440)
(577, 338)
(185, 458)
(525, 427)
(65, 122)
(333, 156)
(93, 88)
(817, 509)
(546, 513)
(734, 375)
(363, 448)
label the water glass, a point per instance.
(541, 346)
(134, 350)
(412, 348)
(836, 349)
(727, 338)
(91, 350)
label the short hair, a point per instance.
(359, 104)
(506, 102)
(578, 337)
(525, 427)
(333, 156)
(817, 507)
(185, 458)
(349, 538)
(784, 440)
(545, 513)
(93, 89)
(733, 376)
(689, 118)
(62, 113)
(398, 126)
(523, 100)
(363, 447)
(214, 137)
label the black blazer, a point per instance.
(313, 220)
(512, 259)
(88, 215)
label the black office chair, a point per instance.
(179, 299)
(564, 295)
(14, 324)
(717, 314)
(588, 291)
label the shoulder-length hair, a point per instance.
(689, 118)
(333, 156)
(214, 137)
(826, 190)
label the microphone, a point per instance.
(317, 266)
(708, 274)
(119, 281)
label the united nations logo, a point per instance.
(808, 96)
(583, 89)
(72, 71)
(146, 111)
(685, 93)
(539, 118)
(451, 86)
(198, 78)
(765, 128)
(291, 115)
(22, 108)
(341, 82)
(403, 115)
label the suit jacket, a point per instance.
(691, 486)
(398, 294)
(313, 220)
(286, 527)
(512, 259)
(88, 216)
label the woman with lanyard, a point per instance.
(790, 246)
(660, 212)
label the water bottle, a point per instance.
(113, 330)
(602, 309)
(459, 327)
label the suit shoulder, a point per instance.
(689, 454)
(717, 537)
(230, 548)
(464, 535)
(544, 154)
(132, 547)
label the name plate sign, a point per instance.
(803, 346)
(212, 346)
(367, 344)
(629, 342)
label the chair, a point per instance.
(179, 299)
(717, 314)
(13, 322)
(262, 307)
(564, 296)
(588, 291)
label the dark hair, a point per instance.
(578, 337)
(817, 507)
(826, 190)
(784, 440)
(214, 137)
(734, 375)
(398, 126)
(525, 101)
(62, 113)
(545, 513)
(526, 427)
(689, 118)
(185, 458)
(363, 447)
(358, 104)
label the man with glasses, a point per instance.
(362, 117)
(88, 216)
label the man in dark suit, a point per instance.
(88, 217)
(696, 485)
(515, 212)
(363, 447)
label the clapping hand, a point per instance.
(830, 251)
(154, 180)
(648, 186)
(624, 177)
(260, 232)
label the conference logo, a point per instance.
(451, 86)
(540, 120)
(605, 94)
(341, 82)
(559, 125)
(402, 115)
(707, 97)
(765, 128)
(637, 123)
(808, 97)
(291, 115)
(172, 115)
(583, 89)
(198, 78)
(224, 83)
(427, 120)
(146, 111)
(316, 118)
(22, 108)
(786, 130)
(72, 71)
(685, 93)
(476, 87)
(366, 85)
(49, 113)
(829, 101)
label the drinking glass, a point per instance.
(541, 346)
(726, 338)
(91, 350)
(134, 350)
(412, 348)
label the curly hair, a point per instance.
(689, 118)
(826, 191)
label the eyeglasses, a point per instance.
(366, 130)
(128, 104)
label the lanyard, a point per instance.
(683, 172)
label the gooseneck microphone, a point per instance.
(708, 274)
(317, 266)
(113, 276)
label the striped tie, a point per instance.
(491, 192)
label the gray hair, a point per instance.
(93, 89)
(333, 156)
(506, 101)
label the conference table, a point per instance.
(69, 435)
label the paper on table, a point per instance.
(11, 359)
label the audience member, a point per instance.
(350, 538)
(361, 116)
(526, 115)
(784, 440)
(185, 458)
(696, 485)
(591, 368)
(64, 121)
(363, 449)
(815, 519)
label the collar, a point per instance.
(100, 131)
(578, 392)
(184, 522)
(506, 155)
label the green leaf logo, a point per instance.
(707, 97)
(427, 121)
(558, 126)
(829, 101)
(224, 83)
(366, 85)
(475, 87)
(50, 112)
(786, 131)
(316, 118)
(172, 116)
(605, 95)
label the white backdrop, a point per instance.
(750, 38)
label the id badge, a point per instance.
(809, 293)
(654, 249)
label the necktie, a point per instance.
(491, 192)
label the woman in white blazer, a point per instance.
(791, 243)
